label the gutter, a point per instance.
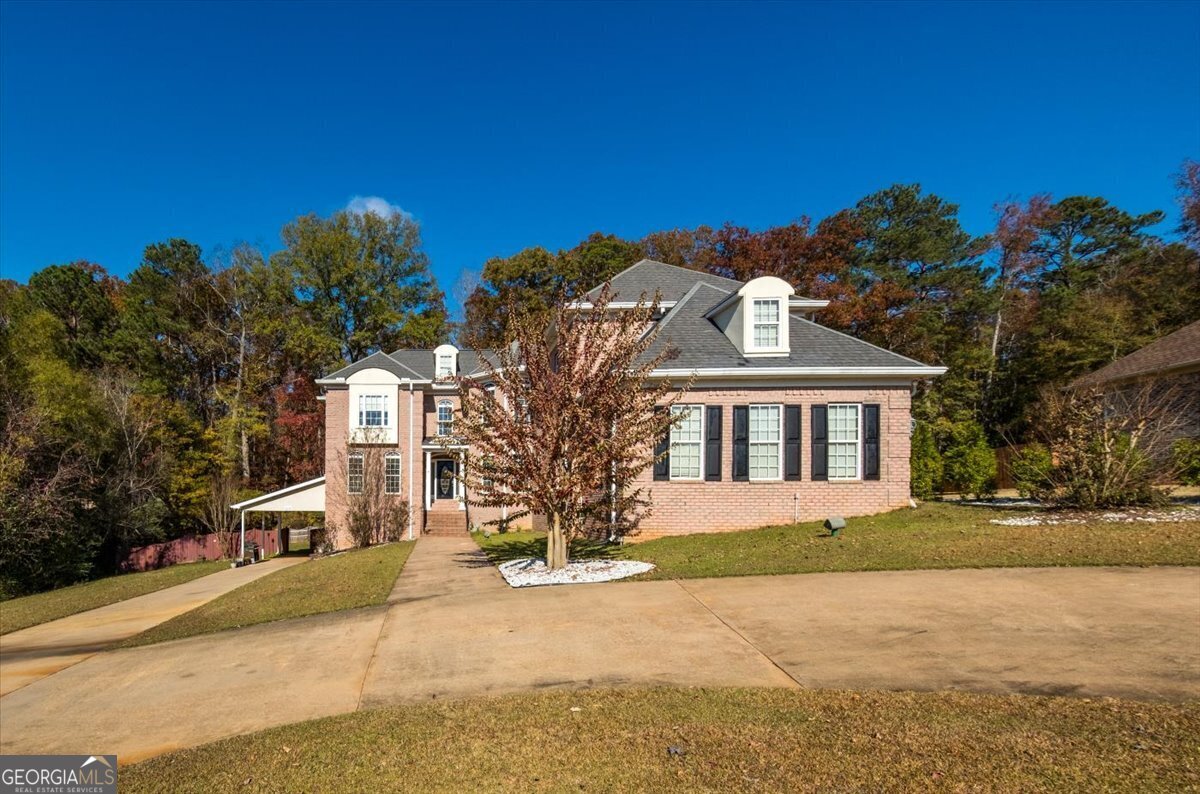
(769, 372)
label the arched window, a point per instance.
(445, 417)
(354, 472)
(391, 473)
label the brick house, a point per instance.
(786, 420)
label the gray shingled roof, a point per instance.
(671, 282)
(701, 345)
(413, 364)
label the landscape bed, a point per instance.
(934, 535)
(708, 740)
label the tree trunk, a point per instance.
(556, 545)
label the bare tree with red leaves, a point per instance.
(571, 422)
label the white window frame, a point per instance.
(382, 410)
(829, 442)
(388, 476)
(445, 427)
(699, 410)
(750, 442)
(445, 366)
(752, 343)
(351, 477)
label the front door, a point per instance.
(443, 479)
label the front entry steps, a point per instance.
(446, 521)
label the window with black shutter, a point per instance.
(712, 444)
(791, 442)
(662, 451)
(819, 431)
(870, 442)
(741, 442)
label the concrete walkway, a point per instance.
(452, 628)
(38, 651)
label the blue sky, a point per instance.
(500, 126)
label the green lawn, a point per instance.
(725, 740)
(353, 579)
(20, 613)
(931, 536)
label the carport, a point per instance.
(306, 497)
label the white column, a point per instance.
(412, 454)
(242, 550)
(427, 480)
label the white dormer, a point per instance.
(445, 362)
(755, 318)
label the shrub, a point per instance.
(1031, 469)
(1186, 452)
(926, 463)
(1105, 448)
(969, 461)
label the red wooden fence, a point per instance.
(193, 548)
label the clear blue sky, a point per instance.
(500, 126)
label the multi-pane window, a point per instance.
(686, 442)
(843, 442)
(765, 434)
(445, 366)
(391, 473)
(488, 465)
(354, 472)
(372, 410)
(445, 418)
(766, 322)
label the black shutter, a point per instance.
(712, 444)
(870, 442)
(662, 451)
(820, 446)
(741, 442)
(791, 445)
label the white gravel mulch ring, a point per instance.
(532, 571)
(1127, 516)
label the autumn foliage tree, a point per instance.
(571, 421)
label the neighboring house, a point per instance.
(786, 419)
(1173, 363)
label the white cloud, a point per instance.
(361, 205)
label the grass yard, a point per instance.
(725, 740)
(932, 536)
(354, 579)
(21, 613)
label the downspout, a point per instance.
(410, 460)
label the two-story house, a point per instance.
(787, 419)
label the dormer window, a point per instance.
(445, 363)
(766, 323)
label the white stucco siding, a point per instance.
(373, 382)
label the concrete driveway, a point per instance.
(452, 628)
(38, 651)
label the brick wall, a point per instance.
(337, 428)
(680, 508)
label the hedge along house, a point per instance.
(786, 419)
